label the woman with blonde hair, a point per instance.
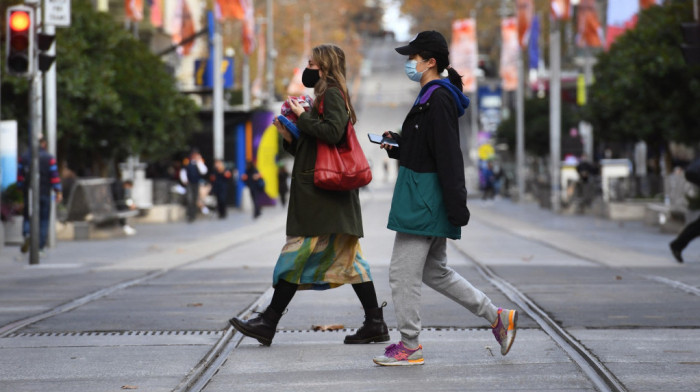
(322, 250)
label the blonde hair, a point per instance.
(331, 61)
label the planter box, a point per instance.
(627, 210)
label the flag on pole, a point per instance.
(248, 26)
(560, 9)
(590, 32)
(525, 12)
(534, 45)
(156, 10)
(229, 9)
(463, 52)
(183, 26)
(134, 10)
(509, 54)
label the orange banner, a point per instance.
(134, 10)
(509, 54)
(525, 13)
(560, 9)
(156, 10)
(590, 32)
(229, 9)
(463, 52)
(248, 26)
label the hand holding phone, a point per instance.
(379, 139)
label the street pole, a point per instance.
(51, 124)
(36, 120)
(585, 128)
(218, 104)
(246, 81)
(555, 112)
(520, 128)
(270, 74)
(473, 137)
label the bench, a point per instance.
(91, 207)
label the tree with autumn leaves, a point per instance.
(342, 22)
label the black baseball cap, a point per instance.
(426, 41)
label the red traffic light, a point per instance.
(19, 21)
(19, 38)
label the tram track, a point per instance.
(599, 375)
(675, 284)
(76, 303)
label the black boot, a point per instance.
(261, 328)
(374, 328)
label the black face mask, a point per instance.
(310, 77)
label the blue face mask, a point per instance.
(411, 72)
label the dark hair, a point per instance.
(443, 62)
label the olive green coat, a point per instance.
(314, 211)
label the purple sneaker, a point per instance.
(505, 328)
(399, 355)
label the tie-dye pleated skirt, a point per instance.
(322, 262)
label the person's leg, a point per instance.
(44, 215)
(221, 204)
(191, 202)
(264, 326)
(443, 279)
(689, 233)
(405, 278)
(25, 225)
(374, 328)
(284, 292)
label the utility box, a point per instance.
(614, 174)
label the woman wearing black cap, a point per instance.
(430, 202)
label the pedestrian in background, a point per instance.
(191, 174)
(255, 184)
(692, 229)
(48, 180)
(122, 194)
(220, 180)
(323, 227)
(429, 203)
(489, 182)
(282, 177)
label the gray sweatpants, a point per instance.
(418, 259)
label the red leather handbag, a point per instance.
(341, 167)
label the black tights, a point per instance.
(284, 292)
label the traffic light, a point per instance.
(19, 49)
(44, 42)
(691, 43)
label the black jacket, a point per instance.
(429, 146)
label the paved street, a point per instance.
(603, 304)
(151, 308)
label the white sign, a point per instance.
(57, 12)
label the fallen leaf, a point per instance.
(194, 305)
(329, 327)
(129, 387)
(618, 277)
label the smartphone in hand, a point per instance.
(379, 139)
